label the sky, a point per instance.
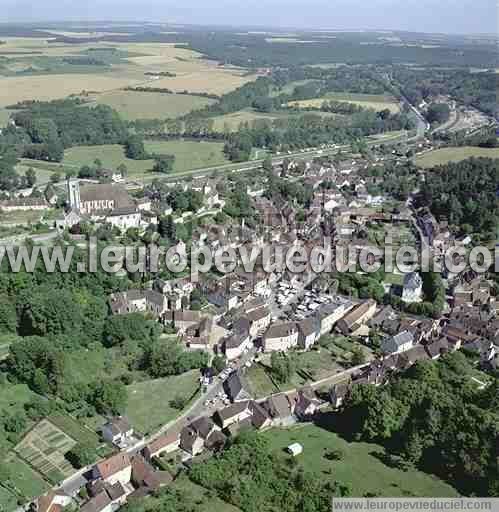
(446, 16)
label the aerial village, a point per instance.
(362, 331)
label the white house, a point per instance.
(413, 287)
(236, 345)
(259, 319)
(399, 343)
(117, 431)
(280, 337)
(331, 313)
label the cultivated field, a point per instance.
(446, 155)
(207, 79)
(148, 105)
(50, 87)
(149, 401)
(372, 101)
(33, 69)
(189, 154)
(44, 448)
(360, 466)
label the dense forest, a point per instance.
(45, 129)
(54, 321)
(433, 417)
(475, 89)
(465, 193)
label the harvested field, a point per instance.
(208, 80)
(372, 101)
(446, 155)
(49, 87)
(148, 105)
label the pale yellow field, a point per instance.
(159, 53)
(4, 116)
(148, 105)
(287, 40)
(49, 87)
(24, 42)
(83, 35)
(213, 81)
(445, 155)
(376, 105)
(193, 73)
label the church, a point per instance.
(107, 203)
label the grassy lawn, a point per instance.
(73, 428)
(13, 397)
(318, 364)
(111, 156)
(27, 482)
(149, 401)
(190, 154)
(360, 467)
(21, 217)
(446, 155)
(8, 501)
(148, 105)
(42, 175)
(4, 116)
(202, 496)
(260, 382)
(4, 351)
(98, 362)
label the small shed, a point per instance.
(295, 449)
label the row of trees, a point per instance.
(311, 130)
